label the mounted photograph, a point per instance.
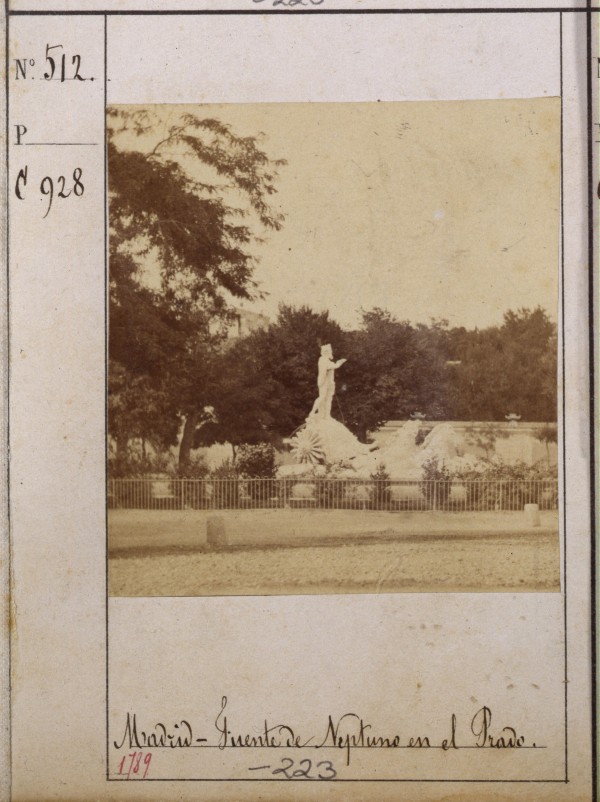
(333, 348)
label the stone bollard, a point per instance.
(215, 531)
(532, 513)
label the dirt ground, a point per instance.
(165, 554)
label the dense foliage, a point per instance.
(267, 380)
(185, 202)
(256, 461)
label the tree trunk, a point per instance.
(187, 441)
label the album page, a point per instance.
(300, 308)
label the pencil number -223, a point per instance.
(301, 770)
(51, 188)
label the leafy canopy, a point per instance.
(186, 200)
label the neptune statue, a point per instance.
(326, 383)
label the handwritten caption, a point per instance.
(345, 734)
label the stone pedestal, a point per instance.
(216, 534)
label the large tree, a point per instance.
(393, 369)
(187, 200)
(507, 368)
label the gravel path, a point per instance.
(494, 562)
(141, 531)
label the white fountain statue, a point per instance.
(326, 383)
(322, 439)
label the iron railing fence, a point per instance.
(455, 495)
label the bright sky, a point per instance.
(428, 209)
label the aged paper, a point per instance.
(300, 300)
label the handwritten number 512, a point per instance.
(51, 61)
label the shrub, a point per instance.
(256, 461)
(484, 437)
(224, 489)
(330, 488)
(196, 468)
(226, 470)
(192, 494)
(380, 493)
(436, 482)
(498, 485)
(548, 434)
(133, 464)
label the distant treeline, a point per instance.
(260, 388)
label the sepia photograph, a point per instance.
(332, 348)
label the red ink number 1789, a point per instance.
(132, 764)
